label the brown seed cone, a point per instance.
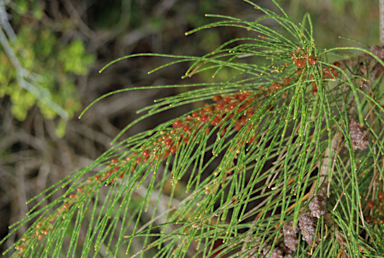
(359, 136)
(276, 252)
(289, 230)
(318, 203)
(291, 241)
(307, 225)
(290, 235)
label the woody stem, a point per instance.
(381, 8)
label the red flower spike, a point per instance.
(66, 206)
(177, 123)
(232, 106)
(231, 116)
(97, 177)
(217, 98)
(80, 189)
(121, 176)
(204, 118)
(146, 158)
(223, 131)
(109, 173)
(252, 139)
(187, 129)
(89, 180)
(201, 111)
(207, 130)
(242, 108)
(117, 169)
(370, 204)
(300, 63)
(314, 90)
(138, 159)
(227, 99)
(236, 96)
(287, 81)
(114, 160)
(220, 105)
(168, 142)
(311, 60)
(381, 196)
(336, 64)
(146, 153)
(166, 154)
(195, 114)
(238, 126)
(186, 140)
(215, 121)
(173, 149)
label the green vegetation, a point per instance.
(37, 63)
(283, 159)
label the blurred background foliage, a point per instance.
(62, 44)
(47, 58)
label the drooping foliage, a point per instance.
(283, 160)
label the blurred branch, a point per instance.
(39, 92)
(77, 19)
(4, 22)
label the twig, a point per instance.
(40, 94)
(329, 152)
(5, 23)
(381, 8)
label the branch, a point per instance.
(381, 8)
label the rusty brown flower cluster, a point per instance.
(375, 210)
